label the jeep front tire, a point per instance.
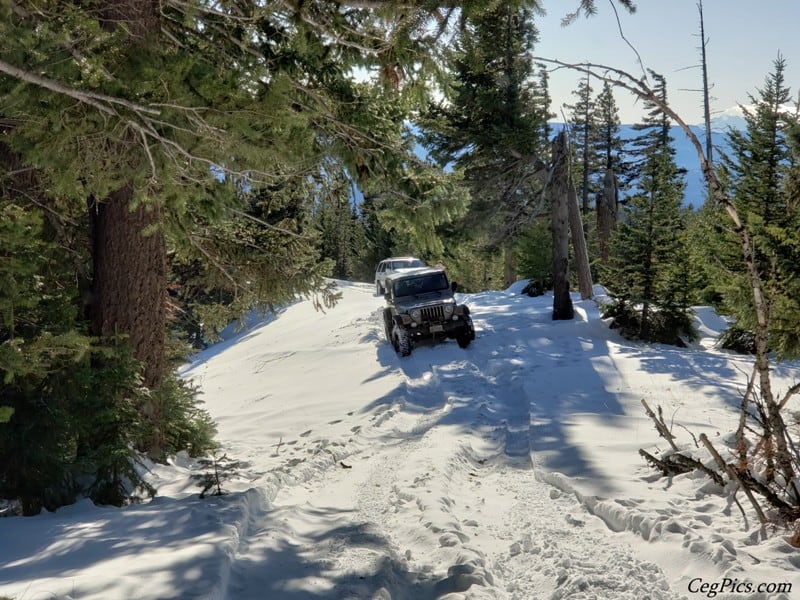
(401, 341)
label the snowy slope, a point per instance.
(508, 470)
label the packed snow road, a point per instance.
(507, 470)
(415, 478)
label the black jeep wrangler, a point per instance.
(420, 305)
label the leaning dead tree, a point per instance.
(762, 409)
(566, 220)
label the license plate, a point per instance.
(436, 328)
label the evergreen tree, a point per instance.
(380, 241)
(611, 175)
(760, 171)
(584, 137)
(648, 272)
(492, 125)
(609, 148)
(342, 236)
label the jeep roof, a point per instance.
(412, 272)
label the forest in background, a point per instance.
(170, 166)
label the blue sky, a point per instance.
(744, 39)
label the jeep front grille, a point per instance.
(432, 313)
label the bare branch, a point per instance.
(625, 39)
(99, 101)
(790, 392)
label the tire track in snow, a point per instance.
(400, 534)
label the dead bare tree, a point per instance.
(706, 87)
(561, 182)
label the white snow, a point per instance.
(509, 470)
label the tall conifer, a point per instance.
(760, 171)
(648, 242)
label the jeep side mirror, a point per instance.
(453, 286)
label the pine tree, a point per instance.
(492, 125)
(584, 137)
(759, 170)
(342, 237)
(609, 147)
(647, 273)
(611, 175)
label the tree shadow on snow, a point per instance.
(526, 382)
(290, 566)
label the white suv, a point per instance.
(396, 264)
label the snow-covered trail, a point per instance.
(508, 470)
(425, 488)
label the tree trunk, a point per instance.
(509, 266)
(128, 287)
(578, 241)
(562, 302)
(128, 247)
(607, 204)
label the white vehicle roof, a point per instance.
(412, 271)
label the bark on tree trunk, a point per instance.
(578, 241)
(509, 266)
(562, 302)
(607, 204)
(128, 246)
(128, 287)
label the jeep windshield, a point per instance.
(407, 264)
(416, 286)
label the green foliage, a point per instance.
(182, 425)
(472, 263)
(260, 252)
(666, 325)
(72, 409)
(649, 271)
(535, 252)
(762, 177)
(71, 432)
(379, 242)
(221, 468)
(491, 127)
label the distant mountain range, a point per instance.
(686, 157)
(685, 153)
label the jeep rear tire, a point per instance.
(401, 341)
(387, 324)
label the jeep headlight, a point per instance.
(448, 310)
(416, 315)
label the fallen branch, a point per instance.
(661, 427)
(734, 475)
